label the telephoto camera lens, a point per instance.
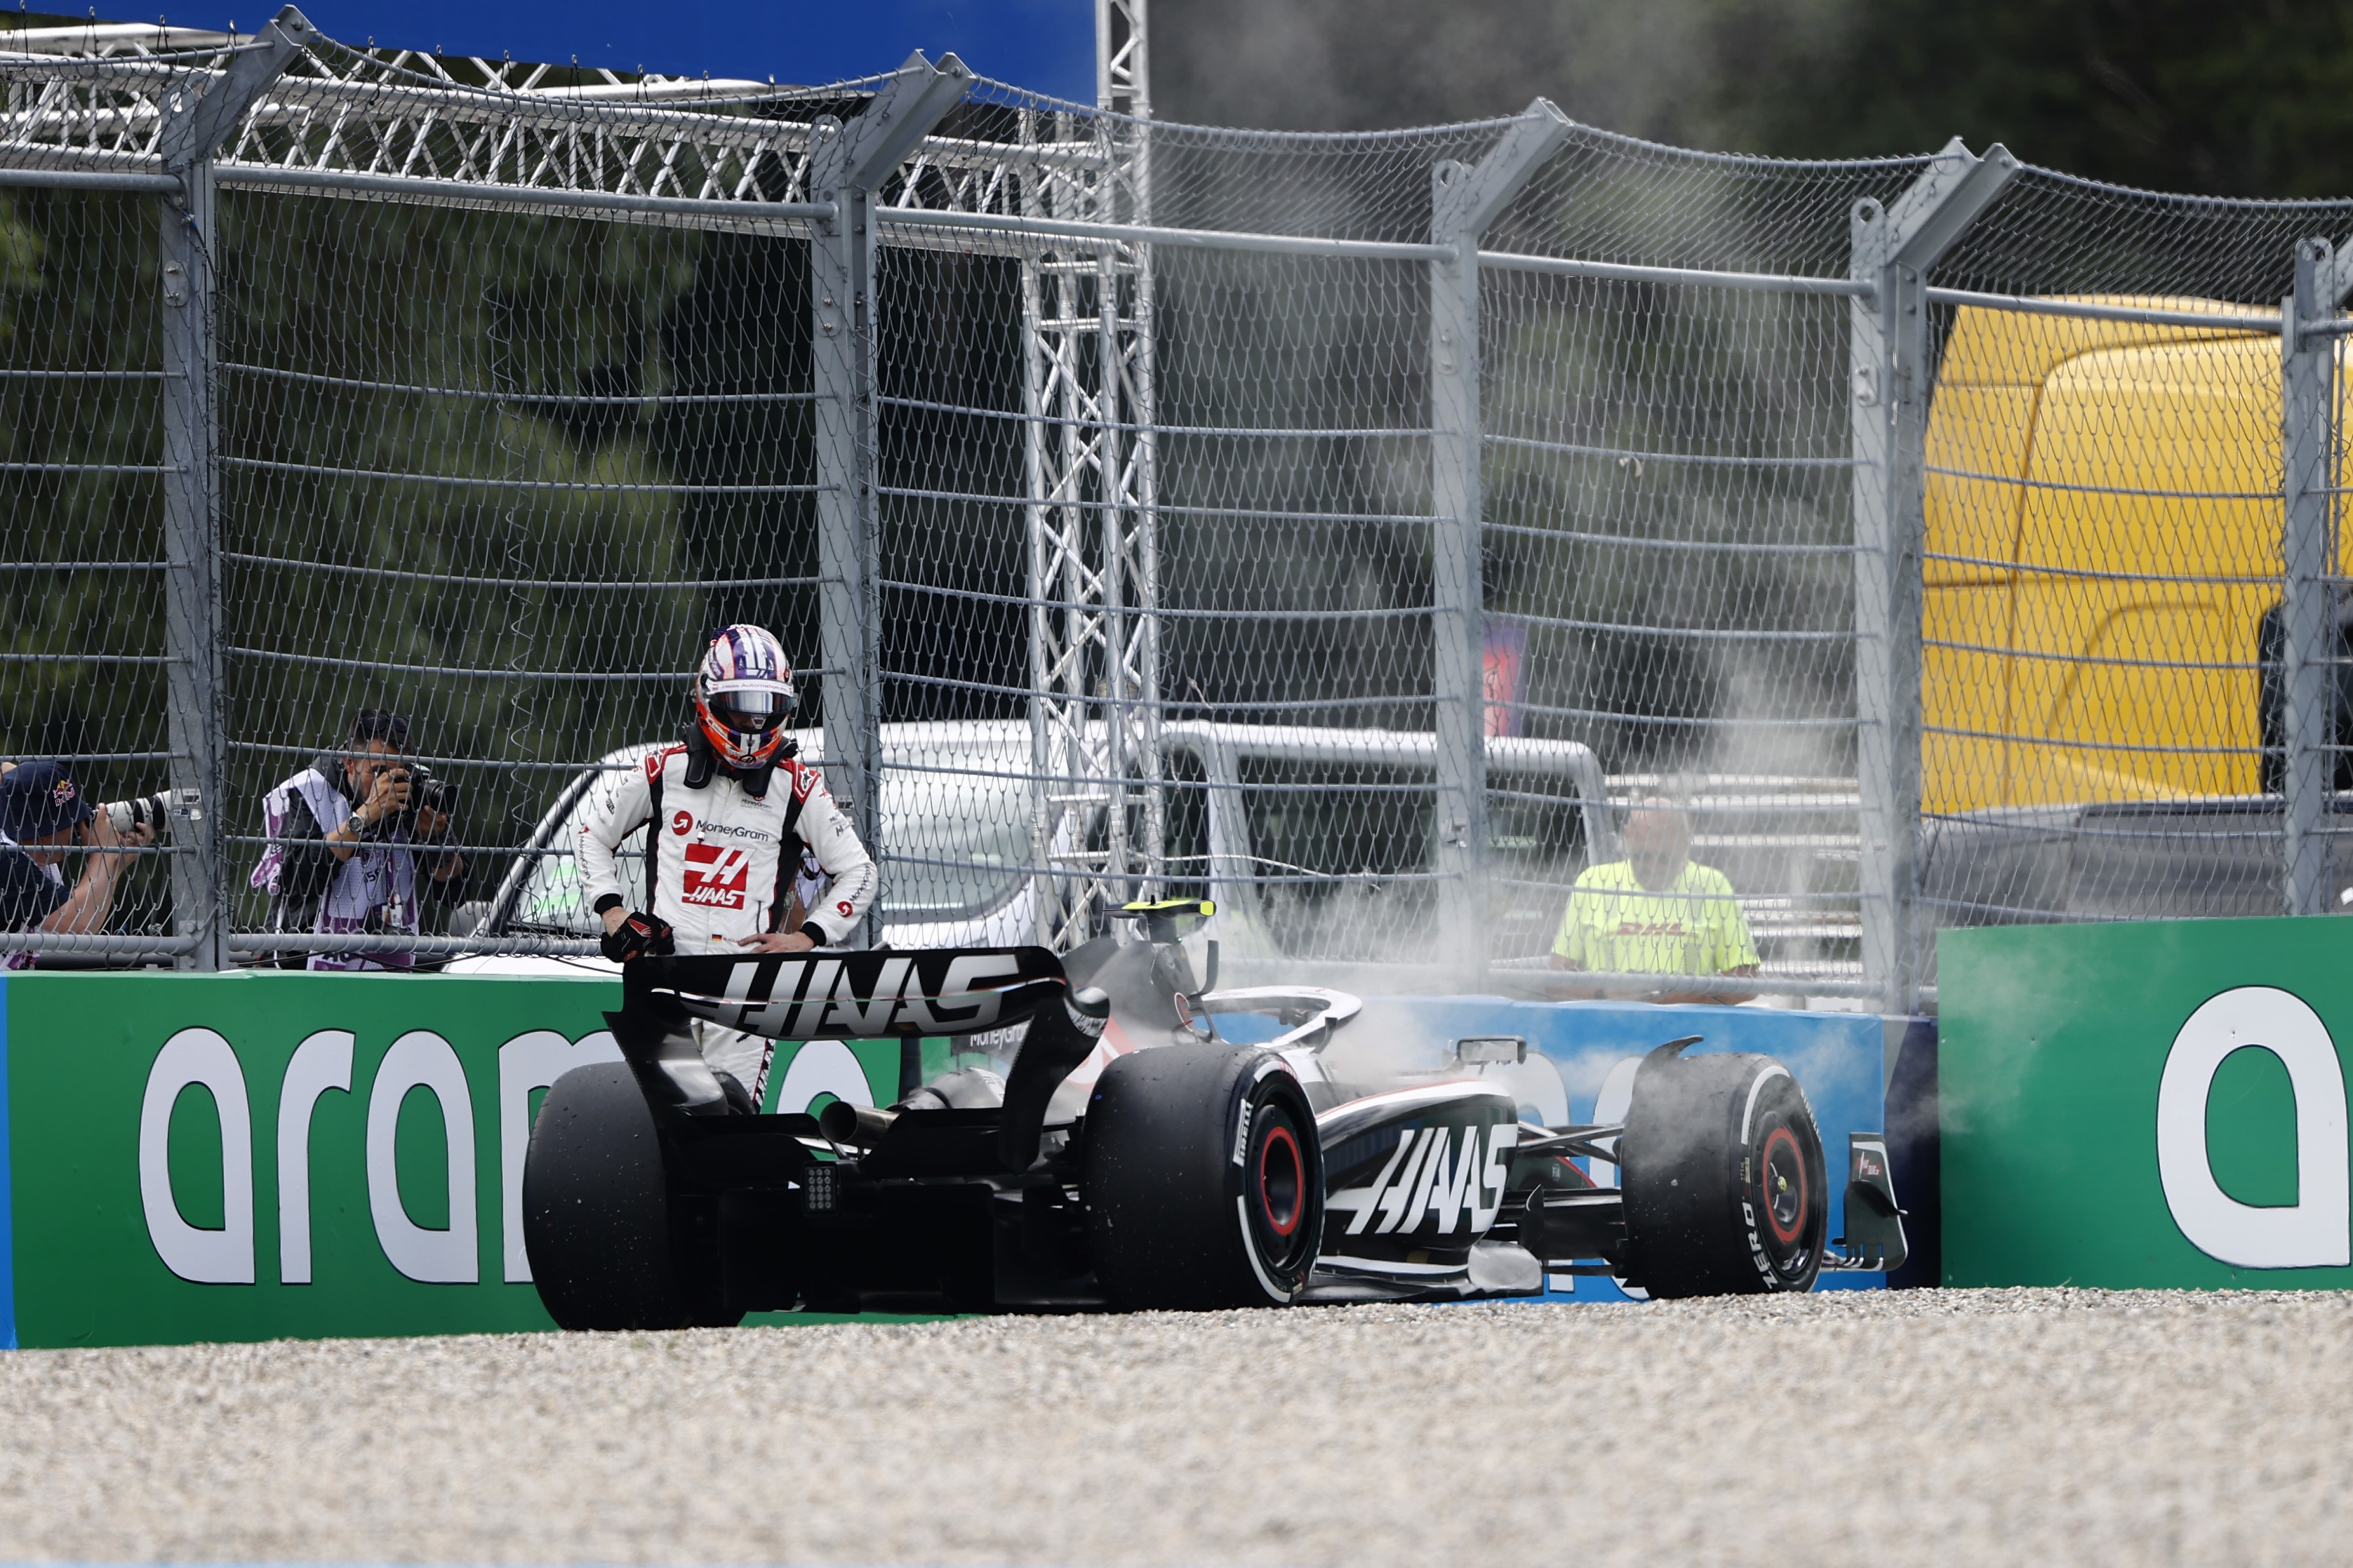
(147, 810)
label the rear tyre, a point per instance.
(1726, 1190)
(1203, 1180)
(607, 1235)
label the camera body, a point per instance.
(151, 810)
(425, 792)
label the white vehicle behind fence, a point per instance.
(1315, 842)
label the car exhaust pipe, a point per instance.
(858, 1126)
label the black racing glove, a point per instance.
(640, 936)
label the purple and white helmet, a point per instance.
(743, 696)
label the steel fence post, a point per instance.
(1463, 200)
(191, 571)
(200, 113)
(1888, 387)
(2307, 600)
(849, 162)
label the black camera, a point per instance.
(425, 792)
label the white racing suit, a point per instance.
(721, 863)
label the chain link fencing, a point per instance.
(81, 455)
(2104, 563)
(1347, 528)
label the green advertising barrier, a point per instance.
(2154, 1105)
(284, 1154)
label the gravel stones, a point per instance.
(2019, 1425)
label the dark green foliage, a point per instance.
(362, 343)
(2243, 99)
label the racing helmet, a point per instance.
(743, 696)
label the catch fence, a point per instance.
(1349, 528)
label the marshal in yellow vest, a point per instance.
(1693, 926)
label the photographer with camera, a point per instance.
(357, 845)
(42, 817)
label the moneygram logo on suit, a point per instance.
(419, 1059)
(2317, 1230)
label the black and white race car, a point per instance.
(1132, 1158)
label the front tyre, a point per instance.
(1204, 1179)
(1726, 1189)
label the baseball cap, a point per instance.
(40, 797)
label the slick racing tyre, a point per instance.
(1726, 1193)
(1203, 1180)
(603, 1230)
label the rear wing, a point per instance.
(850, 995)
(859, 996)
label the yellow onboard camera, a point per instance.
(1168, 919)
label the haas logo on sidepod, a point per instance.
(1441, 1175)
(717, 877)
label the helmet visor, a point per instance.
(750, 713)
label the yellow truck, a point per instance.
(2102, 548)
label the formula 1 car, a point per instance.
(1133, 1158)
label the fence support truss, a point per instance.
(1124, 58)
(1097, 810)
(848, 164)
(1889, 374)
(1463, 200)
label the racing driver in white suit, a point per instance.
(733, 815)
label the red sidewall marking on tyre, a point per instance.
(1777, 1137)
(1266, 1206)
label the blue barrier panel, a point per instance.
(1588, 1049)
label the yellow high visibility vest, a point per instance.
(1694, 926)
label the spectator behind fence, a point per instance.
(42, 814)
(1656, 912)
(346, 839)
